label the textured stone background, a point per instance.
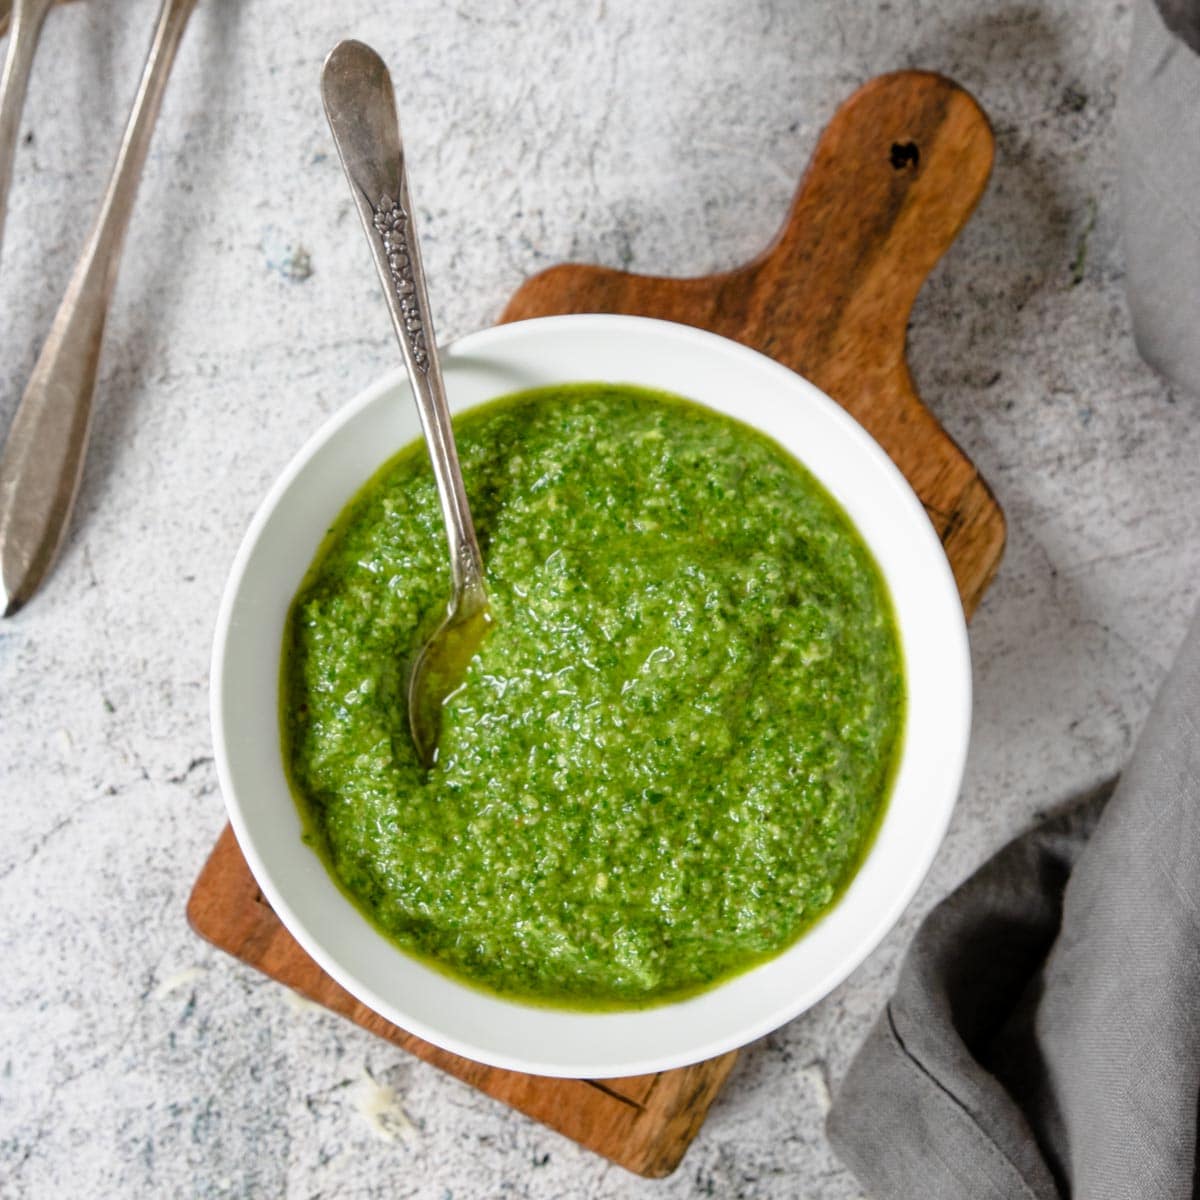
(654, 135)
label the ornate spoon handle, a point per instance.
(361, 107)
(42, 460)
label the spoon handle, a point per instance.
(361, 107)
(42, 461)
(27, 19)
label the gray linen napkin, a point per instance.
(1158, 143)
(1044, 1038)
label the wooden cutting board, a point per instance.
(893, 179)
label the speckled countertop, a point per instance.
(660, 136)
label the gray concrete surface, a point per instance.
(661, 136)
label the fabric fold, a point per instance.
(1044, 1038)
(1158, 134)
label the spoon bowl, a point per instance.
(441, 663)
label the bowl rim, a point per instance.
(956, 743)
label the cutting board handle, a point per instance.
(893, 179)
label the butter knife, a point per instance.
(42, 460)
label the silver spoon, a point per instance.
(42, 460)
(361, 107)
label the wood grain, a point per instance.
(892, 181)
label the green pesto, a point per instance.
(672, 751)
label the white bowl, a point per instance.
(281, 543)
